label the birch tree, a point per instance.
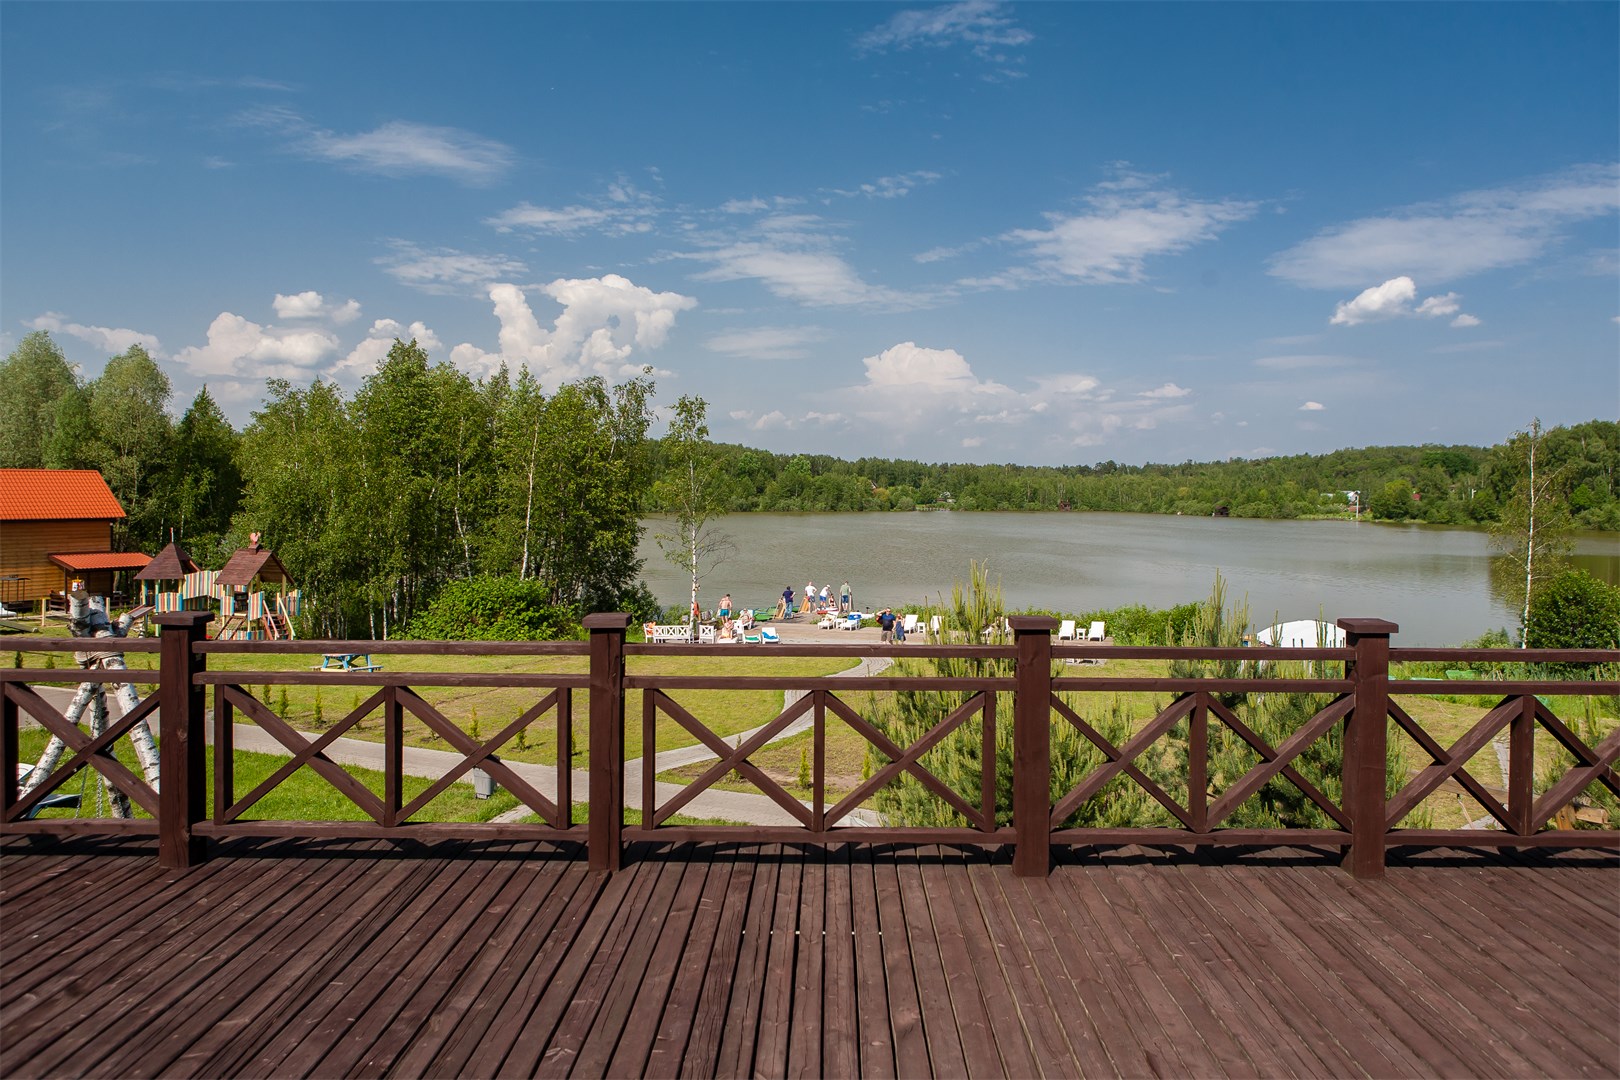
(694, 494)
(1533, 533)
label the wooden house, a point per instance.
(55, 527)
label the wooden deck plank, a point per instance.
(776, 999)
(1006, 1029)
(519, 974)
(427, 1017)
(588, 1031)
(712, 959)
(871, 989)
(840, 1043)
(596, 947)
(739, 1033)
(313, 948)
(804, 1028)
(1471, 991)
(1043, 1027)
(942, 1038)
(159, 970)
(674, 1024)
(652, 992)
(700, 1053)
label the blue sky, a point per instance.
(1054, 233)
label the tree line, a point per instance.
(1458, 485)
(425, 476)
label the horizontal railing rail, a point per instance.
(1363, 709)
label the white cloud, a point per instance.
(1453, 238)
(1295, 363)
(238, 348)
(312, 305)
(767, 342)
(112, 340)
(794, 255)
(890, 187)
(446, 271)
(1312, 406)
(1168, 392)
(621, 210)
(985, 27)
(1393, 300)
(915, 369)
(1129, 221)
(972, 442)
(603, 320)
(364, 357)
(396, 148)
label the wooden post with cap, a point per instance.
(1366, 743)
(606, 829)
(182, 739)
(1032, 744)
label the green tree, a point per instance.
(34, 380)
(204, 483)
(133, 441)
(1574, 610)
(1533, 534)
(693, 492)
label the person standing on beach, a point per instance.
(844, 598)
(786, 607)
(809, 595)
(826, 598)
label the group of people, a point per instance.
(814, 600)
(893, 627)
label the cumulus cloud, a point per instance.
(239, 348)
(603, 321)
(1168, 392)
(1312, 406)
(112, 340)
(312, 305)
(396, 148)
(446, 271)
(1393, 300)
(1128, 221)
(913, 368)
(1453, 238)
(364, 357)
(767, 342)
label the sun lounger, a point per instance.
(909, 624)
(769, 636)
(1097, 632)
(752, 639)
(1066, 631)
(934, 624)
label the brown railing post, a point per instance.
(1032, 744)
(1366, 739)
(607, 738)
(182, 739)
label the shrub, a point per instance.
(494, 609)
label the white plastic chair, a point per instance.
(1066, 631)
(1096, 633)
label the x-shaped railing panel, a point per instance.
(304, 753)
(87, 751)
(909, 760)
(731, 758)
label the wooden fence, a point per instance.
(1364, 700)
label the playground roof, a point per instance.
(56, 495)
(252, 562)
(101, 560)
(170, 564)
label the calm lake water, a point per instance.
(1434, 582)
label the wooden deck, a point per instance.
(347, 959)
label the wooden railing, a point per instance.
(1365, 823)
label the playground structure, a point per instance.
(87, 618)
(248, 610)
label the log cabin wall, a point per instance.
(26, 547)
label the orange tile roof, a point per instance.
(56, 495)
(101, 560)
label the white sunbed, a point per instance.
(1097, 632)
(1066, 631)
(768, 635)
(909, 625)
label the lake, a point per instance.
(1432, 581)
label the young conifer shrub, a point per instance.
(804, 767)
